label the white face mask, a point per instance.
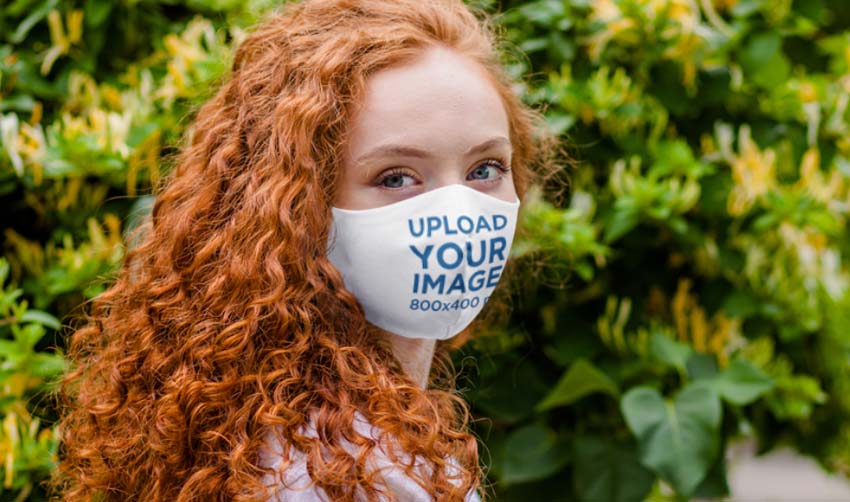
(424, 267)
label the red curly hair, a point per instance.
(227, 319)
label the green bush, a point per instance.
(696, 286)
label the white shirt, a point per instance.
(299, 486)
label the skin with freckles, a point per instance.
(430, 122)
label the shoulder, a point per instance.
(295, 485)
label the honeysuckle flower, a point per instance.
(823, 187)
(9, 139)
(753, 171)
(61, 41)
(198, 43)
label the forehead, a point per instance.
(441, 99)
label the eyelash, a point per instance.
(392, 172)
(498, 164)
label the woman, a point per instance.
(347, 199)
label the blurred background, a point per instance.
(685, 334)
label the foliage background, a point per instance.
(696, 287)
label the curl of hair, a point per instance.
(227, 319)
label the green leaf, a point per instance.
(46, 365)
(534, 44)
(543, 12)
(17, 103)
(624, 218)
(741, 383)
(741, 303)
(40, 317)
(670, 351)
(714, 192)
(745, 8)
(701, 366)
(643, 408)
(551, 489)
(4, 271)
(763, 61)
(582, 343)
(28, 335)
(510, 393)
(714, 485)
(581, 379)
(559, 122)
(9, 348)
(608, 471)
(96, 13)
(31, 20)
(141, 133)
(678, 439)
(530, 453)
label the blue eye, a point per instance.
(489, 170)
(395, 179)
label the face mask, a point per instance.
(425, 266)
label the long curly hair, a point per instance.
(226, 318)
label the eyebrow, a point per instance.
(409, 151)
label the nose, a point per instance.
(448, 172)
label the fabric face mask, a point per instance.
(425, 266)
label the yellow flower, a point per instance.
(605, 10)
(683, 51)
(609, 14)
(715, 336)
(684, 12)
(753, 172)
(25, 145)
(808, 92)
(611, 325)
(724, 4)
(813, 181)
(815, 260)
(60, 41)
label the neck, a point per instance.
(415, 356)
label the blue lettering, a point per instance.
(496, 219)
(423, 255)
(468, 220)
(457, 283)
(449, 231)
(497, 249)
(469, 259)
(482, 223)
(414, 232)
(433, 224)
(441, 258)
(493, 276)
(475, 285)
(439, 283)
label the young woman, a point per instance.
(347, 199)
